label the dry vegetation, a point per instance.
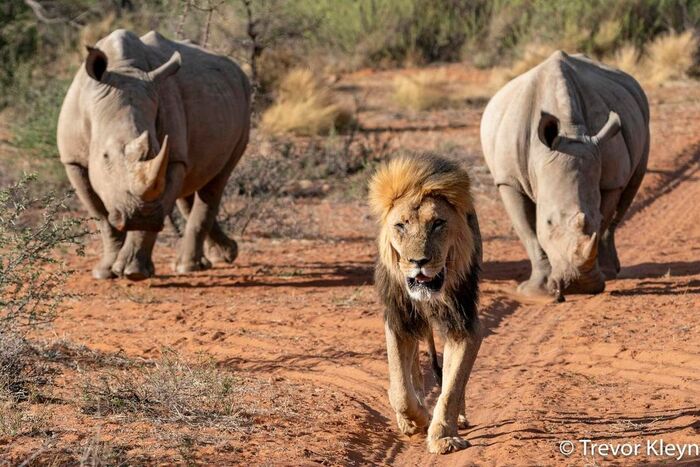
(423, 91)
(310, 147)
(304, 106)
(667, 58)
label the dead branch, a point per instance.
(42, 15)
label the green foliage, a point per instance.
(18, 44)
(34, 129)
(393, 31)
(32, 229)
(591, 26)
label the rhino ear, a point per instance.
(548, 130)
(610, 129)
(167, 69)
(95, 63)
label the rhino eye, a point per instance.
(105, 156)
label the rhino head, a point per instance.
(128, 165)
(568, 204)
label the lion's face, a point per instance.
(422, 236)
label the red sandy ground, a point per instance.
(622, 366)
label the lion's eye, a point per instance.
(438, 224)
(400, 227)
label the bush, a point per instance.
(34, 128)
(32, 229)
(671, 56)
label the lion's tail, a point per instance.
(437, 370)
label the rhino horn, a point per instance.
(150, 175)
(610, 129)
(167, 69)
(587, 252)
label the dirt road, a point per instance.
(619, 367)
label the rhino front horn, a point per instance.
(589, 251)
(150, 174)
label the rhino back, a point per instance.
(604, 89)
(214, 94)
(581, 94)
(204, 108)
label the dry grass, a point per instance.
(304, 106)
(607, 35)
(626, 59)
(669, 57)
(170, 390)
(424, 91)
(533, 55)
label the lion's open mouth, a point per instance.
(421, 281)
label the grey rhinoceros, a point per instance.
(567, 144)
(146, 123)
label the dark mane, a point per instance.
(408, 318)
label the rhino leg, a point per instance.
(607, 253)
(112, 243)
(612, 268)
(200, 221)
(112, 239)
(134, 260)
(218, 247)
(521, 211)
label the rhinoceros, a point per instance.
(147, 123)
(567, 144)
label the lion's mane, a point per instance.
(418, 177)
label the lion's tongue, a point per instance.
(423, 278)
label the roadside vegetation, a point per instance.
(308, 145)
(294, 52)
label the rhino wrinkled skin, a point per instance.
(147, 123)
(567, 144)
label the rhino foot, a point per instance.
(534, 288)
(221, 250)
(103, 271)
(609, 273)
(607, 256)
(135, 270)
(184, 267)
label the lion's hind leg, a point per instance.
(434, 363)
(417, 375)
(411, 416)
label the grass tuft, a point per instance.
(533, 55)
(627, 60)
(304, 106)
(424, 91)
(671, 56)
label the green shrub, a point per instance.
(32, 229)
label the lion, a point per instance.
(427, 276)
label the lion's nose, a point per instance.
(420, 262)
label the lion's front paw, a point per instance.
(411, 427)
(447, 445)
